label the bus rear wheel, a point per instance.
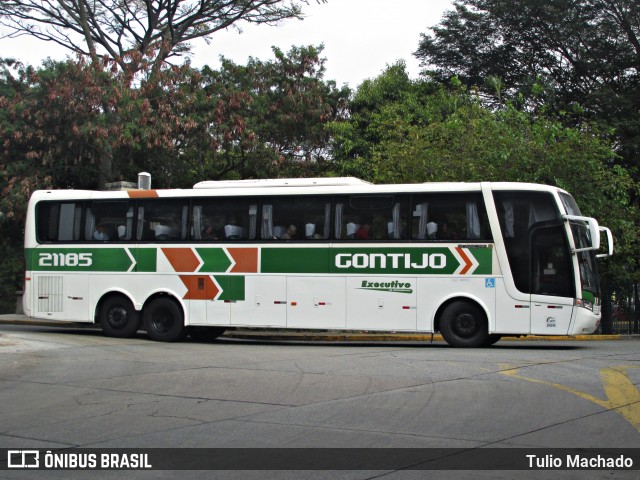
(118, 318)
(464, 324)
(164, 321)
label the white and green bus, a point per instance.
(474, 261)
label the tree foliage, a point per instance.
(137, 37)
(570, 57)
(126, 31)
(285, 117)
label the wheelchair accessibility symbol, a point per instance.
(489, 283)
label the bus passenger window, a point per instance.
(224, 219)
(163, 220)
(108, 221)
(454, 216)
(283, 218)
(371, 217)
(58, 222)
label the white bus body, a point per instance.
(475, 261)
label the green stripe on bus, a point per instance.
(78, 259)
(146, 259)
(215, 260)
(232, 287)
(384, 260)
(484, 257)
(472, 260)
(294, 260)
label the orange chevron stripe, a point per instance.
(246, 260)
(199, 287)
(468, 262)
(182, 259)
(142, 193)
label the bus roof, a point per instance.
(299, 186)
(283, 182)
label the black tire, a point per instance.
(464, 324)
(205, 334)
(118, 318)
(164, 320)
(491, 339)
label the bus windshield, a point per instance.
(570, 204)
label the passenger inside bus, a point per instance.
(432, 230)
(231, 230)
(101, 234)
(352, 228)
(208, 233)
(164, 232)
(278, 232)
(309, 230)
(445, 232)
(362, 233)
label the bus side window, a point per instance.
(162, 220)
(450, 216)
(108, 221)
(305, 218)
(58, 221)
(371, 217)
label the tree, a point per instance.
(287, 107)
(391, 109)
(127, 31)
(575, 58)
(139, 36)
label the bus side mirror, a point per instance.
(609, 236)
(594, 231)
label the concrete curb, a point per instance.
(311, 336)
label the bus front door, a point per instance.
(552, 281)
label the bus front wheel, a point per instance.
(118, 318)
(464, 324)
(164, 320)
(491, 339)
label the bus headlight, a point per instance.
(585, 304)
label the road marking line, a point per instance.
(623, 396)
